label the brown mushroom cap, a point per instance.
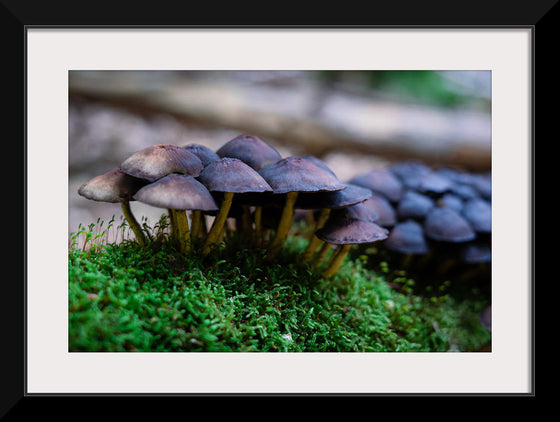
(350, 195)
(407, 237)
(157, 161)
(177, 191)
(350, 231)
(205, 154)
(112, 186)
(381, 181)
(445, 224)
(232, 175)
(296, 174)
(252, 150)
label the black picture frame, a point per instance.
(18, 16)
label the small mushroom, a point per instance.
(350, 195)
(178, 193)
(451, 200)
(291, 176)
(387, 215)
(115, 186)
(414, 205)
(418, 176)
(464, 191)
(325, 202)
(252, 150)
(229, 176)
(346, 232)
(381, 181)
(407, 238)
(157, 161)
(359, 211)
(476, 252)
(478, 212)
(481, 183)
(409, 172)
(447, 225)
(204, 154)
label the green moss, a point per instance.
(123, 297)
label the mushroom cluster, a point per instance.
(442, 213)
(247, 186)
(249, 182)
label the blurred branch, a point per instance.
(343, 122)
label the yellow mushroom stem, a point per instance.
(215, 232)
(336, 260)
(314, 241)
(196, 223)
(182, 230)
(284, 225)
(133, 223)
(323, 252)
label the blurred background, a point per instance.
(353, 120)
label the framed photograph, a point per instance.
(132, 65)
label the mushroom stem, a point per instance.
(310, 218)
(406, 260)
(219, 222)
(336, 261)
(323, 252)
(314, 241)
(133, 223)
(196, 223)
(284, 225)
(183, 233)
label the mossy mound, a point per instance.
(127, 297)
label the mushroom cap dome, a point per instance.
(177, 191)
(350, 195)
(387, 216)
(346, 231)
(414, 205)
(252, 150)
(358, 211)
(232, 175)
(296, 174)
(445, 224)
(478, 213)
(157, 161)
(112, 186)
(204, 153)
(381, 181)
(407, 237)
